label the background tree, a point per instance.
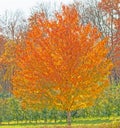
(13, 25)
(113, 10)
(7, 64)
(94, 15)
(2, 43)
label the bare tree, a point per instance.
(12, 24)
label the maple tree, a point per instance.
(62, 64)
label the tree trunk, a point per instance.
(36, 121)
(69, 119)
(55, 119)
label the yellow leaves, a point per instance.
(57, 59)
(1, 88)
(9, 72)
(7, 59)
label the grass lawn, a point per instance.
(77, 123)
(63, 126)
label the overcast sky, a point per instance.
(24, 5)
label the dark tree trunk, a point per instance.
(69, 119)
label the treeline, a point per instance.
(107, 105)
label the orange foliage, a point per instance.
(110, 5)
(62, 64)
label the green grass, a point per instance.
(110, 125)
(113, 122)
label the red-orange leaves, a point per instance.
(63, 64)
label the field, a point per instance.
(64, 126)
(79, 123)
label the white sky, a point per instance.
(24, 5)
